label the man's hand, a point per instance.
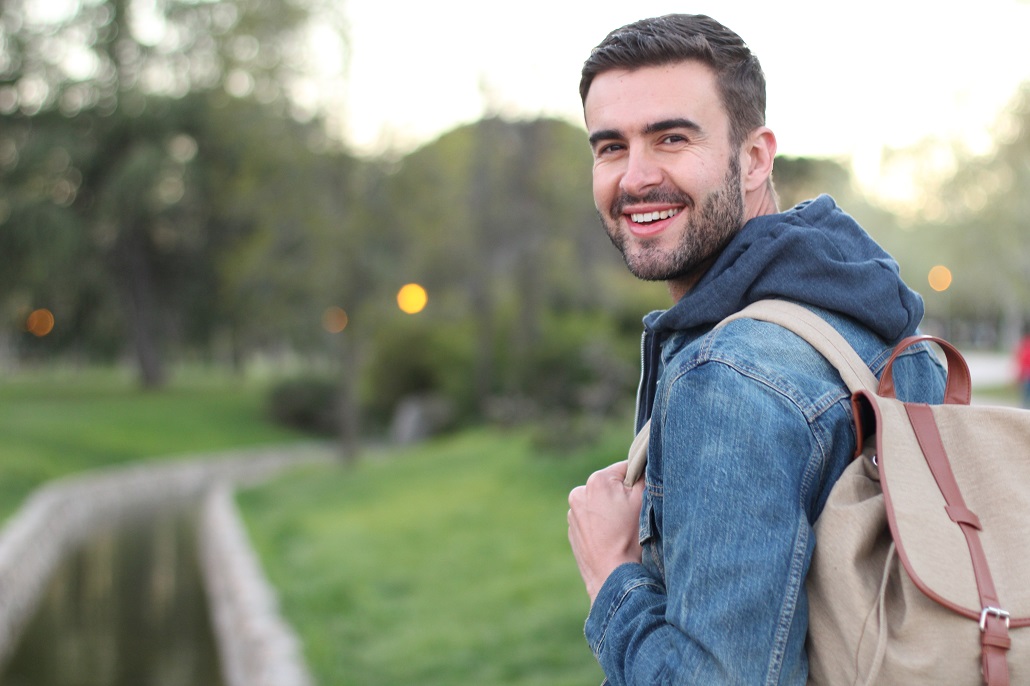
(604, 525)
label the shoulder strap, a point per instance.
(818, 333)
(815, 330)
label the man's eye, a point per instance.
(675, 138)
(609, 148)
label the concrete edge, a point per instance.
(59, 516)
(256, 646)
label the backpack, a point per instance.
(921, 568)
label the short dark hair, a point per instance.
(676, 38)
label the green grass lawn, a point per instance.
(58, 423)
(440, 565)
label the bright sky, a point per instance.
(843, 79)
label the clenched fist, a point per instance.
(604, 525)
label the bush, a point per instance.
(309, 404)
(575, 369)
(578, 366)
(415, 358)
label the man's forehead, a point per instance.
(632, 100)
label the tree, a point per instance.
(498, 222)
(103, 105)
(984, 220)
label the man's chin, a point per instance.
(649, 270)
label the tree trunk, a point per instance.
(136, 284)
(349, 417)
(481, 296)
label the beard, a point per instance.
(709, 227)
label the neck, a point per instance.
(761, 202)
(683, 285)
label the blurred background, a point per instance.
(228, 224)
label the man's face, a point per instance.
(666, 183)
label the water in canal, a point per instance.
(128, 609)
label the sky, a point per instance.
(843, 79)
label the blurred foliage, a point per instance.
(309, 404)
(971, 214)
(415, 357)
(120, 161)
(984, 229)
(167, 192)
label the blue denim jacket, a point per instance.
(750, 429)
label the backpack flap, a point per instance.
(978, 499)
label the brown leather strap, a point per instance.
(963, 515)
(959, 388)
(994, 635)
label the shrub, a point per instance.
(309, 404)
(418, 359)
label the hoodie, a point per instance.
(814, 254)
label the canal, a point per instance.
(126, 609)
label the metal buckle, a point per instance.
(997, 612)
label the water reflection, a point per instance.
(128, 609)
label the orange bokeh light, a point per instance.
(412, 298)
(334, 319)
(40, 322)
(940, 278)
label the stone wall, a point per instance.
(255, 645)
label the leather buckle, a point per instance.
(995, 611)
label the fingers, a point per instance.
(605, 480)
(603, 522)
(576, 495)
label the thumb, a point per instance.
(616, 471)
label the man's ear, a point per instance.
(760, 151)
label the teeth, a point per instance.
(648, 217)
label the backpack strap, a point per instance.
(815, 330)
(818, 333)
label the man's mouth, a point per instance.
(649, 217)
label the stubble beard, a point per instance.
(707, 231)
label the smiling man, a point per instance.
(696, 573)
(668, 121)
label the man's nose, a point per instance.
(642, 173)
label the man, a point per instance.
(696, 574)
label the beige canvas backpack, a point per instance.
(921, 570)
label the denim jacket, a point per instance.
(750, 428)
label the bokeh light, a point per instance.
(40, 322)
(940, 278)
(412, 298)
(334, 319)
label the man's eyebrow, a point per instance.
(655, 127)
(667, 124)
(604, 135)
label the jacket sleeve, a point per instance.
(730, 493)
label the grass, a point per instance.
(439, 565)
(59, 423)
(1006, 395)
